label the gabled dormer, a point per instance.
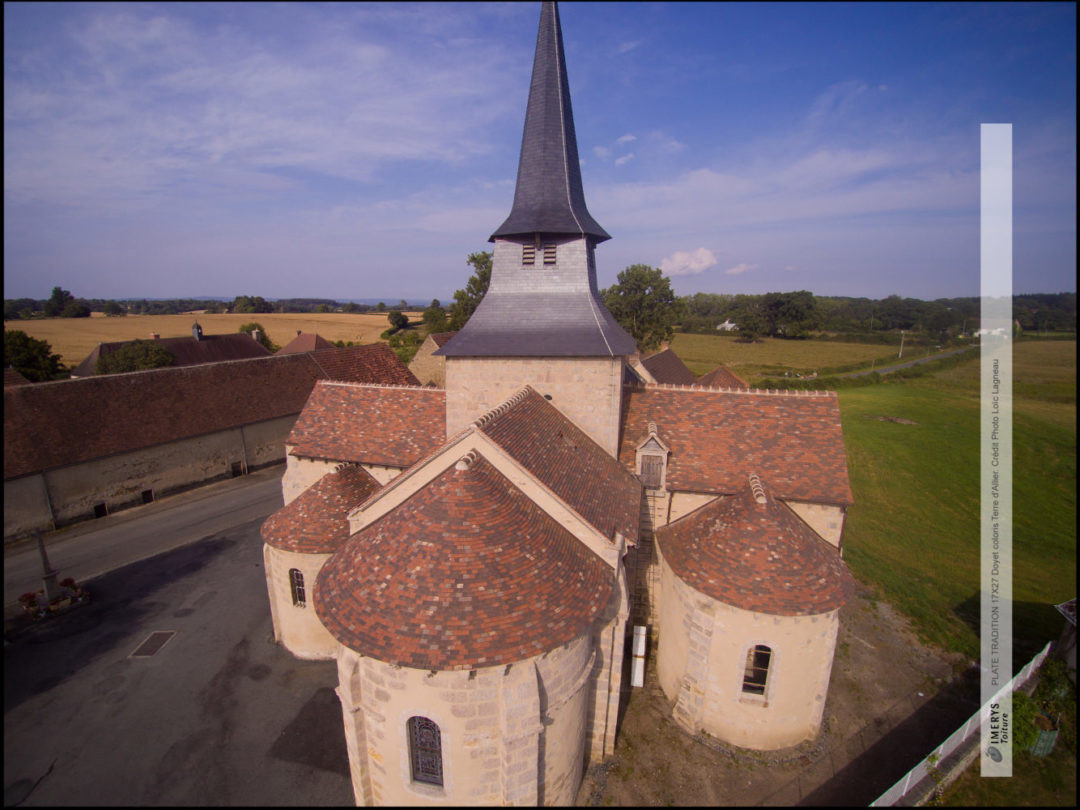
(651, 461)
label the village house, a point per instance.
(305, 343)
(188, 351)
(81, 448)
(474, 556)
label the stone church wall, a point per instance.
(702, 658)
(825, 519)
(296, 627)
(509, 734)
(587, 390)
(426, 366)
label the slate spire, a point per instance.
(549, 196)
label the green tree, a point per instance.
(135, 356)
(751, 320)
(113, 309)
(643, 303)
(435, 317)
(790, 315)
(248, 303)
(405, 344)
(59, 299)
(380, 307)
(352, 306)
(75, 309)
(31, 357)
(468, 299)
(398, 320)
(264, 338)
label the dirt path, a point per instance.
(891, 700)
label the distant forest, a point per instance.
(794, 314)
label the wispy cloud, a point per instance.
(627, 138)
(621, 161)
(739, 269)
(602, 152)
(626, 47)
(683, 263)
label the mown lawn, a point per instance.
(914, 530)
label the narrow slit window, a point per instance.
(425, 751)
(147, 495)
(528, 254)
(549, 254)
(296, 585)
(757, 669)
(100, 510)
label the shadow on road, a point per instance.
(35, 662)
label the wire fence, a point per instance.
(913, 777)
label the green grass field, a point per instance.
(914, 531)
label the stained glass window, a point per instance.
(425, 748)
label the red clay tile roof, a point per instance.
(466, 573)
(441, 337)
(721, 377)
(187, 350)
(316, 521)
(392, 426)
(373, 363)
(717, 438)
(756, 556)
(12, 377)
(305, 343)
(666, 367)
(567, 462)
(56, 424)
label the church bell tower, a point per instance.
(542, 321)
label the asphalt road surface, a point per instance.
(217, 715)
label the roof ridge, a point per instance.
(486, 419)
(376, 385)
(762, 391)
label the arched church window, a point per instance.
(425, 751)
(296, 585)
(756, 674)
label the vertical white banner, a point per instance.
(996, 336)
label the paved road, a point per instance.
(219, 715)
(87, 550)
(887, 369)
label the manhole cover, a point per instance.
(153, 644)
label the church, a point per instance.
(475, 556)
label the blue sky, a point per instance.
(363, 150)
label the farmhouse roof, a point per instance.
(65, 422)
(565, 460)
(440, 338)
(187, 350)
(391, 426)
(717, 438)
(316, 521)
(305, 343)
(12, 377)
(751, 551)
(721, 377)
(549, 197)
(666, 367)
(468, 572)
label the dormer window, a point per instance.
(652, 460)
(549, 254)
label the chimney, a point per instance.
(299, 332)
(665, 345)
(196, 331)
(154, 336)
(255, 335)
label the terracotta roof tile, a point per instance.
(755, 554)
(567, 461)
(440, 338)
(12, 377)
(392, 426)
(720, 377)
(305, 343)
(373, 363)
(666, 367)
(65, 422)
(717, 438)
(187, 350)
(468, 572)
(316, 522)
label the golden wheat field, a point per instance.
(74, 338)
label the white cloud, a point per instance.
(624, 159)
(739, 269)
(602, 152)
(626, 47)
(682, 263)
(627, 138)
